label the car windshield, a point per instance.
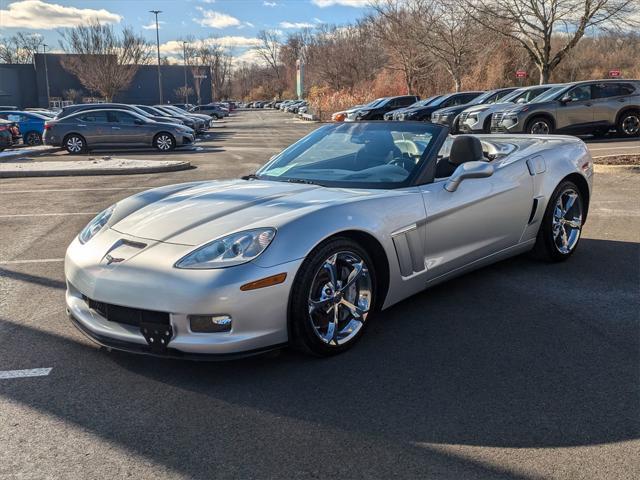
(513, 96)
(550, 94)
(375, 102)
(367, 155)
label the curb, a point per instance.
(95, 171)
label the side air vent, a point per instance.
(534, 209)
(409, 245)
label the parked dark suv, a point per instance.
(592, 107)
(449, 100)
(390, 103)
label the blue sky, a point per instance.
(234, 22)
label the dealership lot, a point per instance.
(520, 370)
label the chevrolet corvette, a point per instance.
(344, 223)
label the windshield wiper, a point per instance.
(251, 176)
(302, 180)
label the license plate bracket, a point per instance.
(157, 336)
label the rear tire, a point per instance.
(629, 124)
(75, 144)
(164, 142)
(333, 296)
(33, 138)
(561, 225)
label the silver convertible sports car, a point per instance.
(347, 221)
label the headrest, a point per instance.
(465, 148)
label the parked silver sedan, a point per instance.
(349, 220)
(89, 129)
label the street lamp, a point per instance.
(184, 52)
(46, 73)
(156, 12)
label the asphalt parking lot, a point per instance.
(522, 370)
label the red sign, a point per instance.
(521, 74)
(614, 73)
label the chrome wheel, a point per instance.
(74, 144)
(631, 125)
(340, 298)
(539, 128)
(567, 221)
(164, 142)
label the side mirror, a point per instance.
(137, 121)
(468, 170)
(566, 99)
(521, 101)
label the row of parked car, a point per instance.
(588, 107)
(291, 106)
(81, 127)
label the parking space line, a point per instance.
(34, 372)
(36, 260)
(56, 190)
(47, 214)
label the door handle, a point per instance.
(621, 100)
(588, 104)
(115, 128)
(81, 125)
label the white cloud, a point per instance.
(270, 4)
(47, 16)
(344, 3)
(174, 47)
(296, 25)
(152, 25)
(214, 19)
(250, 56)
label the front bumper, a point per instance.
(148, 281)
(507, 124)
(185, 139)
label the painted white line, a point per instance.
(63, 190)
(34, 372)
(37, 260)
(47, 214)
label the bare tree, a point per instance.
(183, 93)
(269, 52)
(103, 60)
(536, 23)
(72, 94)
(391, 27)
(218, 62)
(20, 48)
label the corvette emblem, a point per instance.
(111, 259)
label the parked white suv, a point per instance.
(477, 119)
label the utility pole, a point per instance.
(184, 53)
(156, 12)
(46, 73)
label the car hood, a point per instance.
(209, 210)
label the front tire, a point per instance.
(75, 144)
(539, 126)
(332, 298)
(629, 124)
(164, 142)
(561, 226)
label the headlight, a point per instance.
(95, 225)
(363, 112)
(443, 116)
(234, 249)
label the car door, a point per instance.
(93, 126)
(124, 130)
(482, 217)
(608, 99)
(576, 114)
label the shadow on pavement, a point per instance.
(519, 354)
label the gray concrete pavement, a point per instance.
(522, 370)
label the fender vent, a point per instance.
(534, 209)
(409, 245)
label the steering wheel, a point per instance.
(403, 161)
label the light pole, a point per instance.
(156, 12)
(184, 53)
(46, 73)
